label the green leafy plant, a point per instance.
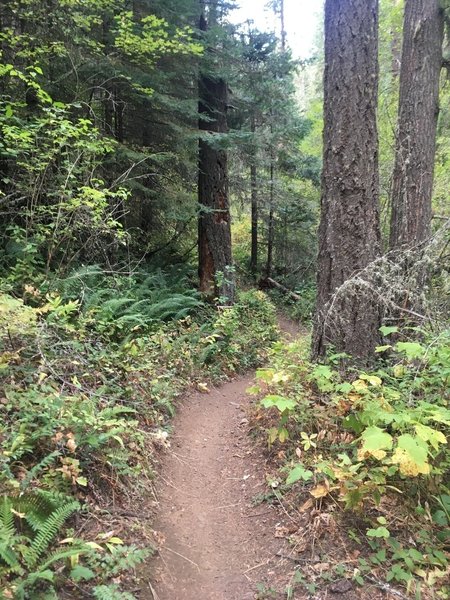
(28, 526)
(364, 437)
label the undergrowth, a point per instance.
(366, 449)
(90, 367)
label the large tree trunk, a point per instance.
(417, 119)
(254, 203)
(254, 200)
(271, 224)
(349, 237)
(216, 271)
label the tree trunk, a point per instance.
(254, 202)
(283, 27)
(349, 235)
(216, 271)
(417, 120)
(271, 229)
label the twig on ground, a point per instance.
(282, 506)
(227, 506)
(181, 556)
(386, 587)
(152, 591)
(255, 567)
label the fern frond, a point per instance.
(47, 532)
(6, 516)
(36, 508)
(38, 468)
(59, 555)
(10, 558)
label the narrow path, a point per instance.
(214, 536)
(215, 543)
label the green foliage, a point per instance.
(365, 438)
(120, 305)
(28, 526)
(111, 592)
(84, 400)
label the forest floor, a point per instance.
(217, 539)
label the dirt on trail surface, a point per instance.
(215, 544)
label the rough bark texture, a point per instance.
(214, 231)
(271, 224)
(349, 237)
(254, 202)
(412, 182)
(254, 199)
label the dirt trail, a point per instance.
(215, 543)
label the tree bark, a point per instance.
(254, 202)
(271, 224)
(216, 273)
(349, 234)
(421, 64)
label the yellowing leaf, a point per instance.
(359, 385)
(365, 454)
(411, 456)
(253, 390)
(272, 434)
(321, 490)
(379, 349)
(375, 440)
(283, 435)
(94, 545)
(372, 379)
(428, 434)
(399, 371)
(280, 376)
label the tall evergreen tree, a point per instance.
(349, 236)
(214, 224)
(418, 110)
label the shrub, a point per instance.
(361, 436)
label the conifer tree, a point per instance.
(418, 110)
(349, 235)
(214, 225)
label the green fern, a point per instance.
(48, 531)
(118, 304)
(28, 525)
(38, 468)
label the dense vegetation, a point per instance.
(130, 138)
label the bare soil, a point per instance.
(215, 543)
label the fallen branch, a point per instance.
(271, 283)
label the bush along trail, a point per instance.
(329, 483)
